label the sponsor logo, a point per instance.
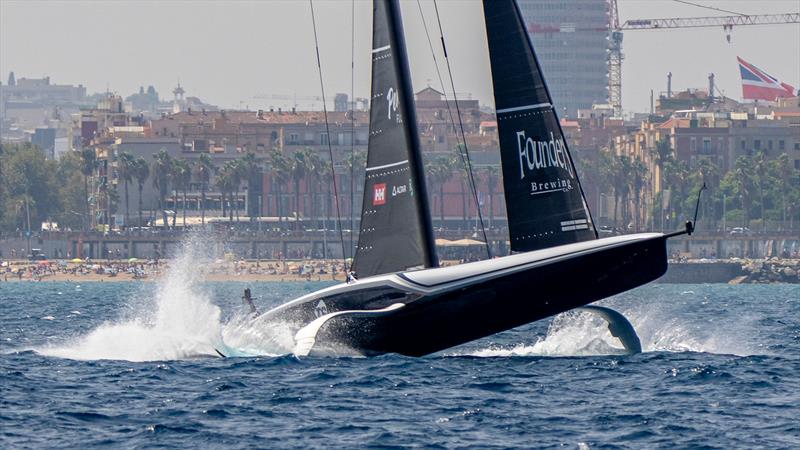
(379, 194)
(537, 155)
(392, 101)
(559, 184)
(397, 190)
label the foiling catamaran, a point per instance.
(401, 302)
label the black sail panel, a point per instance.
(395, 224)
(544, 199)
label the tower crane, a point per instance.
(726, 22)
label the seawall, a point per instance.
(771, 270)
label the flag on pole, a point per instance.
(759, 85)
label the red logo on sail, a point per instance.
(379, 194)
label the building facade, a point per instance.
(570, 37)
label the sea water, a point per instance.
(134, 365)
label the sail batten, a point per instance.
(544, 199)
(396, 232)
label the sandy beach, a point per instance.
(124, 271)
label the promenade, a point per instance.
(318, 244)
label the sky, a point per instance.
(256, 54)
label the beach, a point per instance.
(131, 271)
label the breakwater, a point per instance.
(737, 271)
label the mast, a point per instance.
(415, 154)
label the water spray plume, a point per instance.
(180, 321)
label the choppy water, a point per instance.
(131, 365)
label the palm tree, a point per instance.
(621, 168)
(228, 182)
(605, 179)
(253, 173)
(706, 172)
(761, 168)
(299, 168)
(223, 185)
(324, 177)
(491, 183)
(662, 154)
(140, 171)
(354, 166)
(237, 175)
(204, 167)
(162, 168)
(782, 172)
(314, 169)
(743, 171)
(182, 173)
(281, 174)
(637, 178)
(125, 167)
(88, 166)
(440, 171)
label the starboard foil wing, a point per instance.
(544, 199)
(395, 231)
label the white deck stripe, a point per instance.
(387, 165)
(380, 49)
(522, 108)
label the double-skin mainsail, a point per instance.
(395, 232)
(544, 199)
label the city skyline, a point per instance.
(226, 54)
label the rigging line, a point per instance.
(465, 153)
(467, 165)
(460, 138)
(708, 7)
(352, 125)
(328, 132)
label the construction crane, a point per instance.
(726, 22)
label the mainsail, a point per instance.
(395, 231)
(544, 198)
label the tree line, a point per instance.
(757, 192)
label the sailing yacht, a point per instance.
(399, 300)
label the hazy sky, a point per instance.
(229, 52)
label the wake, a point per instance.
(662, 326)
(180, 321)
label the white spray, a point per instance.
(180, 321)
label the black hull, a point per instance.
(442, 313)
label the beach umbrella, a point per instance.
(76, 260)
(133, 260)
